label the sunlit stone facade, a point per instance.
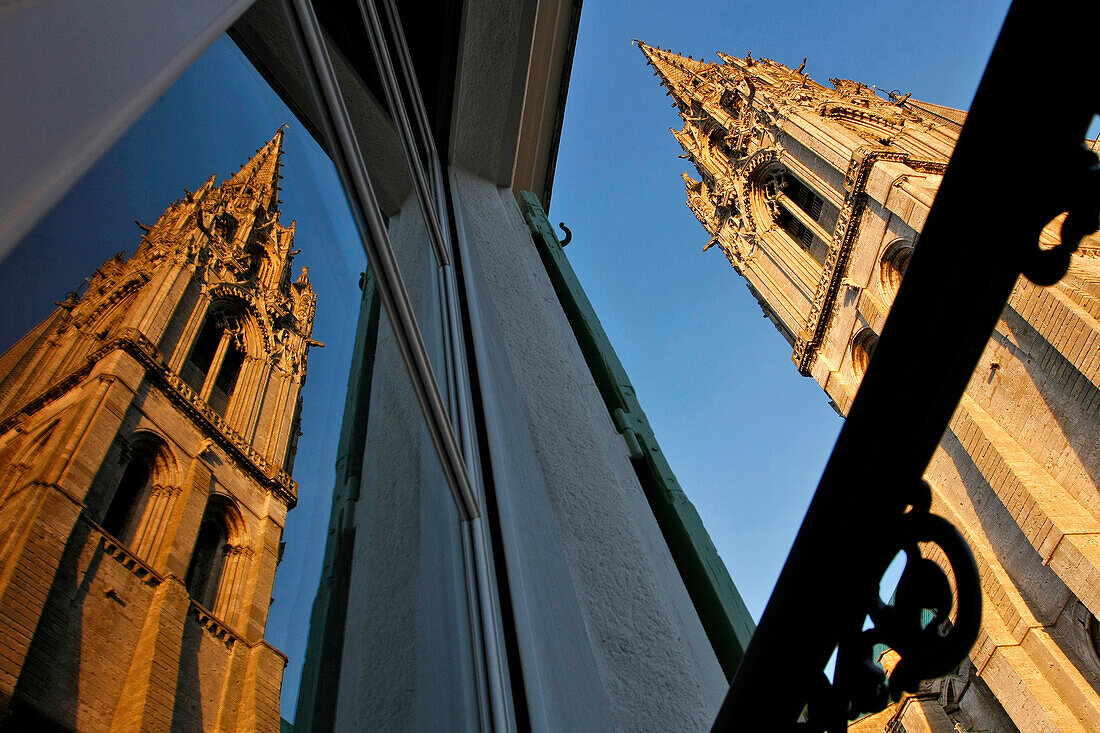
(147, 432)
(817, 196)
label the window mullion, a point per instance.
(349, 163)
(392, 88)
(797, 212)
(215, 365)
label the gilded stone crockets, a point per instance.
(816, 196)
(147, 432)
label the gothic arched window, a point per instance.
(208, 559)
(216, 358)
(894, 263)
(141, 494)
(219, 559)
(863, 346)
(795, 208)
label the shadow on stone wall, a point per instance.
(1077, 425)
(48, 693)
(187, 713)
(1042, 590)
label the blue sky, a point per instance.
(747, 437)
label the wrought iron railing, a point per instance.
(1019, 163)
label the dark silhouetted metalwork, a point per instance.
(1018, 163)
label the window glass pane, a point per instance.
(236, 252)
(209, 123)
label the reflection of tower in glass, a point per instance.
(816, 196)
(147, 433)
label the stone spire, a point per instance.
(738, 114)
(679, 74)
(258, 179)
(723, 93)
(244, 209)
(230, 237)
(233, 228)
(709, 101)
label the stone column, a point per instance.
(228, 601)
(154, 524)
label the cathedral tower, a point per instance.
(147, 433)
(817, 196)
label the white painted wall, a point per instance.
(608, 637)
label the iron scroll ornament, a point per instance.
(1079, 196)
(932, 646)
(918, 623)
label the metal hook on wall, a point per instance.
(568, 233)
